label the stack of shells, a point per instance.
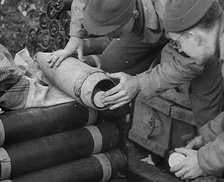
(67, 142)
(53, 31)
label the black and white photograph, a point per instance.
(111, 90)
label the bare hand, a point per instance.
(189, 168)
(196, 143)
(122, 93)
(58, 57)
(74, 44)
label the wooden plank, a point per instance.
(181, 99)
(182, 114)
(151, 145)
(157, 103)
(139, 171)
(142, 172)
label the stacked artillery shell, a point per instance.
(55, 144)
(55, 8)
(18, 126)
(99, 167)
(50, 35)
(77, 79)
(54, 27)
(32, 36)
(53, 31)
(52, 144)
(44, 21)
(52, 150)
(60, 40)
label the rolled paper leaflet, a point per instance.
(175, 158)
(52, 13)
(60, 40)
(97, 98)
(44, 21)
(63, 5)
(32, 36)
(54, 27)
(45, 39)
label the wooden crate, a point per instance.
(178, 96)
(160, 124)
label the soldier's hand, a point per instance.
(74, 44)
(189, 168)
(196, 143)
(122, 93)
(58, 57)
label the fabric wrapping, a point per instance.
(23, 85)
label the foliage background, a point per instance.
(16, 18)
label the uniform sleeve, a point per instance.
(77, 13)
(213, 128)
(211, 156)
(173, 71)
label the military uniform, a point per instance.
(143, 46)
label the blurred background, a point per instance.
(16, 19)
